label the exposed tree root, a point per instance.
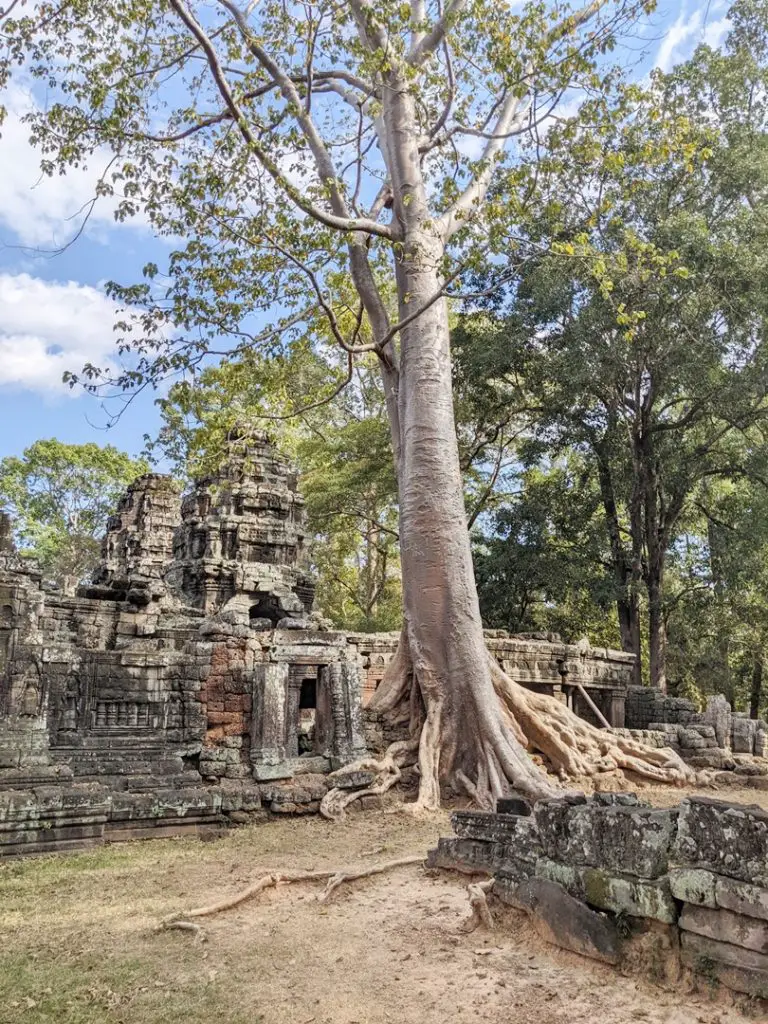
(334, 803)
(574, 747)
(480, 913)
(478, 740)
(334, 878)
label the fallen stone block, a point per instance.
(621, 894)
(509, 829)
(693, 885)
(564, 921)
(719, 962)
(729, 839)
(726, 926)
(352, 779)
(741, 897)
(470, 856)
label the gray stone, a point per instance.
(693, 885)
(496, 828)
(741, 897)
(715, 962)
(627, 839)
(353, 780)
(470, 856)
(729, 839)
(473, 856)
(564, 921)
(620, 894)
(726, 926)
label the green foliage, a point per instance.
(60, 496)
(636, 326)
(541, 567)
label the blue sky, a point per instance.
(54, 315)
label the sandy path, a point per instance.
(76, 941)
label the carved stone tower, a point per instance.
(241, 539)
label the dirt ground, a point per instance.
(77, 944)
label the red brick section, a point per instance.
(225, 701)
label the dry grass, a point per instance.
(77, 944)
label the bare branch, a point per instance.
(340, 223)
(325, 166)
(427, 45)
(509, 118)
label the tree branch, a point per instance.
(427, 44)
(340, 223)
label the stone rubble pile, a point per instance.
(708, 739)
(589, 871)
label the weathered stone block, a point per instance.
(726, 926)
(740, 969)
(475, 856)
(741, 897)
(725, 838)
(629, 839)
(564, 921)
(353, 780)
(693, 885)
(495, 828)
(620, 894)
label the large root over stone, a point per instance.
(574, 747)
(388, 772)
(477, 740)
(334, 878)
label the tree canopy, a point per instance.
(343, 170)
(60, 497)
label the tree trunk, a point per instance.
(464, 731)
(756, 689)
(627, 601)
(471, 724)
(657, 633)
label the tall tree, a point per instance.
(60, 496)
(640, 330)
(291, 144)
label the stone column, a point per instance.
(614, 707)
(269, 721)
(345, 686)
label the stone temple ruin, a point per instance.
(189, 682)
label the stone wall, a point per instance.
(707, 739)
(190, 680)
(594, 873)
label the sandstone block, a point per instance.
(739, 969)
(693, 885)
(628, 839)
(726, 926)
(564, 921)
(621, 894)
(741, 897)
(729, 839)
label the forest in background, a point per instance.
(610, 388)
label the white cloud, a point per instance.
(673, 48)
(716, 31)
(41, 211)
(48, 327)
